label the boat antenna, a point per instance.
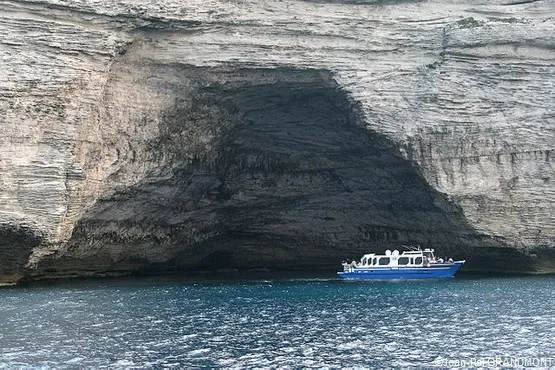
(411, 247)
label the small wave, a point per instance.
(198, 352)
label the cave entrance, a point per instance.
(16, 244)
(270, 167)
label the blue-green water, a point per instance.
(268, 323)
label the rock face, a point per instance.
(161, 136)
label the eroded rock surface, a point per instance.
(218, 134)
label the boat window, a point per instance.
(375, 261)
(384, 261)
(418, 260)
(403, 261)
(364, 261)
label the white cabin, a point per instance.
(392, 259)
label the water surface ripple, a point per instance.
(268, 323)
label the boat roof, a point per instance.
(389, 253)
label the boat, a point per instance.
(414, 263)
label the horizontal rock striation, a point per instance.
(217, 134)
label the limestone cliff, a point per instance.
(169, 135)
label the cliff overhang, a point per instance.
(150, 141)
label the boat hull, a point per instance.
(443, 271)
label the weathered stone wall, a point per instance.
(139, 135)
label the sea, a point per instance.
(143, 323)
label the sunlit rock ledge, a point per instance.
(181, 136)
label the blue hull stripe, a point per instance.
(403, 273)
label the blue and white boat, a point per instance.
(410, 264)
